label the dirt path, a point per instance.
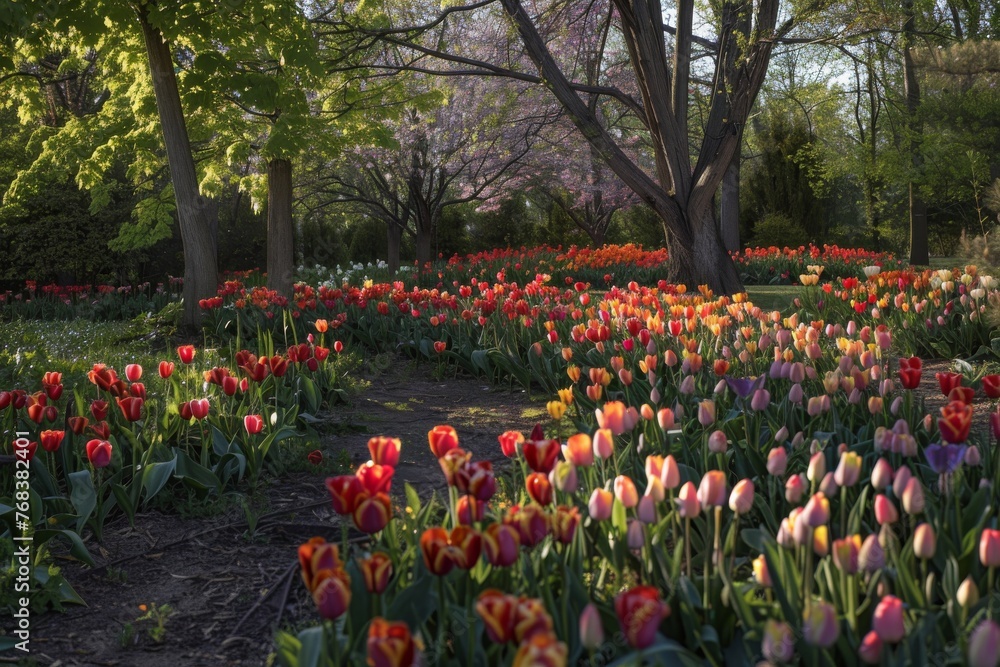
(228, 591)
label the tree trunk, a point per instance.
(705, 261)
(394, 239)
(201, 269)
(423, 243)
(729, 214)
(918, 209)
(280, 236)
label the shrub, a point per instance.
(777, 229)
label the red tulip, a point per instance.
(640, 611)
(338, 347)
(452, 462)
(133, 372)
(954, 422)
(501, 544)
(102, 376)
(384, 451)
(131, 408)
(531, 522)
(377, 570)
(439, 555)
(531, 620)
(253, 424)
(909, 372)
(541, 455)
(166, 369)
(6, 398)
(199, 408)
(991, 386)
(499, 613)
(321, 353)
(344, 491)
(375, 478)
(24, 450)
(539, 488)
(442, 439)
(962, 395)
(470, 510)
(278, 366)
(36, 407)
(476, 479)
(332, 593)
(186, 353)
(948, 381)
(468, 544)
(390, 644)
(229, 385)
(565, 521)
(509, 442)
(372, 512)
(51, 440)
(101, 430)
(77, 424)
(99, 453)
(315, 457)
(542, 649)
(138, 390)
(315, 556)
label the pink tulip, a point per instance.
(600, 504)
(885, 510)
(870, 650)
(887, 622)
(687, 501)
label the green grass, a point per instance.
(29, 348)
(774, 297)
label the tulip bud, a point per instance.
(871, 557)
(625, 491)
(817, 511)
(913, 497)
(760, 572)
(900, 480)
(984, 644)
(881, 475)
(600, 504)
(670, 473)
(828, 487)
(741, 499)
(817, 467)
(885, 510)
(924, 542)
(848, 470)
(819, 625)
(794, 488)
(591, 630)
(635, 536)
(706, 412)
(717, 442)
(778, 644)
(777, 461)
(972, 456)
(870, 650)
(687, 501)
(781, 435)
(968, 593)
(989, 547)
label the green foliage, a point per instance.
(778, 230)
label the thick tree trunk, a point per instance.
(918, 209)
(423, 243)
(280, 232)
(201, 272)
(394, 240)
(729, 213)
(705, 261)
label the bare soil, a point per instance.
(229, 591)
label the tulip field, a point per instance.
(687, 479)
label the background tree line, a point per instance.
(144, 138)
